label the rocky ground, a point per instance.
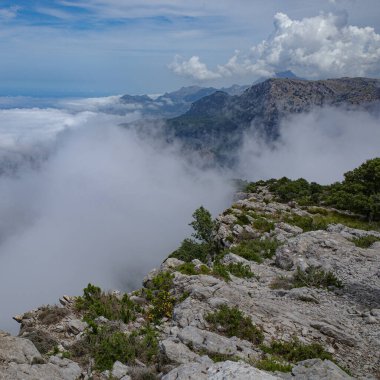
(301, 286)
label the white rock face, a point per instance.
(20, 360)
(218, 371)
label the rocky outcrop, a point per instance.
(20, 360)
(217, 122)
(337, 310)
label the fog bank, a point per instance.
(106, 207)
(318, 146)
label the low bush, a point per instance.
(191, 270)
(221, 271)
(240, 270)
(160, 297)
(107, 345)
(307, 223)
(316, 278)
(95, 303)
(242, 219)
(365, 241)
(190, 250)
(295, 351)
(256, 250)
(272, 365)
(312, 277)
(232, 322)
(263, 224)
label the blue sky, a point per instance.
(104, 47)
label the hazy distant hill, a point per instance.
(215, 123)
(175, 103)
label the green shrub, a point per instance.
(256, 250)
(263, 225)
(312, 277)
(365, 241)
(232, 322)
(295, 351)
(107, 345)
(242, 219)
(220, 270)
(316, 278)
(187, 269)
(160, 297)
(307, 223)
(272, 365)
(240, 270)
(358, 193)
(203, 225)
(190, 250)
(217, 357)
(95, 303)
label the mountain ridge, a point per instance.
(218, 117)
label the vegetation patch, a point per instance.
(256, 250)
(190, 269)
(219, 270)
(190, 250)
(271, 364)
(203, 246)
(295, 351)
(240, 270)
(107, 345)
(95, 303)
(307, 223)
(232, 322)
(358, 193)
(312, 277)
(263, 224)
(365, 241)
(160, 297)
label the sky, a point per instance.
(87, 48)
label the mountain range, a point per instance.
(216, 123)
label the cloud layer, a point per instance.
(319, 146)
(105, 207)
(314, 47)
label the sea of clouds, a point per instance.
(84, 199)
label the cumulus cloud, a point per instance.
(319, 146)
(105, 207)
(321, 46)
(192, 68)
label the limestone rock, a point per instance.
(18, 350)
(218, 371)
(177, 352)
(316, 369)
(119, 370)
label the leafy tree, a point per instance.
(360, 191)
(203, 225)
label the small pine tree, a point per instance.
(203, 225)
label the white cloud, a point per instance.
(105, 207)
(319, 146)
(314, 47)
(192, 68)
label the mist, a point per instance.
(319, 146)
(91, 201)
(105, 206)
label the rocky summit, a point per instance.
(216, 123)
(269, 290)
